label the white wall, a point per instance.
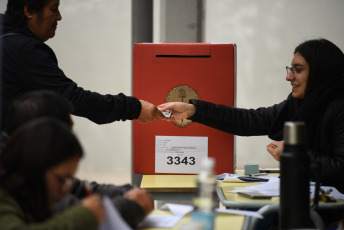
(93, 46)
(266, 33)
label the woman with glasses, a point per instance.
(316, 76)
(37, 167)
(132, 203)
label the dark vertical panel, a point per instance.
(1, 115)
(200, 20)
(142, 21)
(182, 21)
(142, 31)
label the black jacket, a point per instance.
(29, 64)
(329, 152)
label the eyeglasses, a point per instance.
(64, 181)
(294, 70)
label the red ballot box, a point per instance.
(179, 72)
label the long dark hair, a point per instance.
(32, 150)
(35, 104)
(325, 60)
(325, 82)
(15, 9)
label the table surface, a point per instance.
(172, 183)
(184, 185)
(234, 200)
(169, 183)
(222, 221)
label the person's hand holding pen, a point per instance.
(275, 148)
(94, 203)
(142, 197)
(180, 110)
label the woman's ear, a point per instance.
(27, 13)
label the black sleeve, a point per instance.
(3, 139)
(131, 212)
(79, 189)
(330, 159)
(40, 70)
(237, 121)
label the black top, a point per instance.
(326, 142)
(29, 64)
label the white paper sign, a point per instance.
(179, 154)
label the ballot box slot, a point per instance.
(183, 56)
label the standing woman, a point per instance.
(316, 76)
(37, 166)
(29, 64)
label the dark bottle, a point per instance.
(294, 178)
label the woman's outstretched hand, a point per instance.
(180, 110)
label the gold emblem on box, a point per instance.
(181, 93)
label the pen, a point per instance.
(258, 174)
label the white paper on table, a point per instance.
(222, 176)
(234, 178)
(166, 221)
(334, 193)
(269, 188)
(240, 190)
(240, 212)
(179, 209)
(113, 220)
(231, 178)
(272, 188)
(159, 221)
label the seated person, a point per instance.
(32, 181)
(132, 203)
(316, 97)
(316, 77)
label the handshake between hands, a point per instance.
(171, 111)
(174, 111)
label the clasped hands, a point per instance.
(182, 110)
(150, 112)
